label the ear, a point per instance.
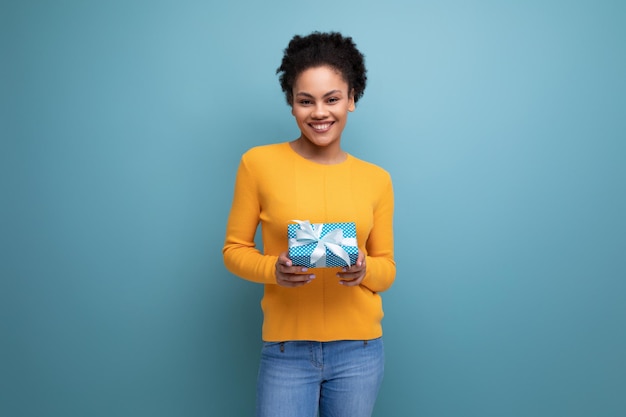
(351, 103)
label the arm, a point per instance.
(376, 270)
(241, 256)
(381, 267)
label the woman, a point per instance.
(322, 346)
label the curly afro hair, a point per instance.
(320, 49)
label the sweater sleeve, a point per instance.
(381, 267)
(241, 256)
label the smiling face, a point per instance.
(321, 102)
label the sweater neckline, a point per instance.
(296, 155)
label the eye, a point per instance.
(333, 100)
(304, 102)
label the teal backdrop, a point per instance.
(502, 123)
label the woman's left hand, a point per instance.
(353, 275)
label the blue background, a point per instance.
(502, 123)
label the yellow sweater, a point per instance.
(275, 185)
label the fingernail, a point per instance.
(344, 269)
(305, 269)
(312, 276)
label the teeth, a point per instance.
(323, 126)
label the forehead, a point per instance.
(320, 78)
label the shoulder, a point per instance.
(265, 155)
(263, 151)
(371, 171)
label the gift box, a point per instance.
(322, 245)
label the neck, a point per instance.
(327, 155)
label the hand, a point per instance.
(291, 276)
(353, 275)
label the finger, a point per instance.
(291, 270)
(285, 265)
(351, 282)
(359, 265)
(294, 280)
(299, 277)
(350, 275)
(283, 259)
(353, 269)
(360, 260)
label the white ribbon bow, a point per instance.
(331, 241)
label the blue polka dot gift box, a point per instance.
(322, 245)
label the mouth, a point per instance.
(321, 127)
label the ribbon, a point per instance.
(332, 241)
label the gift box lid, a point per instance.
(322, 244)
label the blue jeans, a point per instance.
(336, 379)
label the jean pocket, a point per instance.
(278, 347)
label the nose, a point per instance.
(319, 112)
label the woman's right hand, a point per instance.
(291, 276)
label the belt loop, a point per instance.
(282, 347)
(365, 343)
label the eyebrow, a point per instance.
(330, 93)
